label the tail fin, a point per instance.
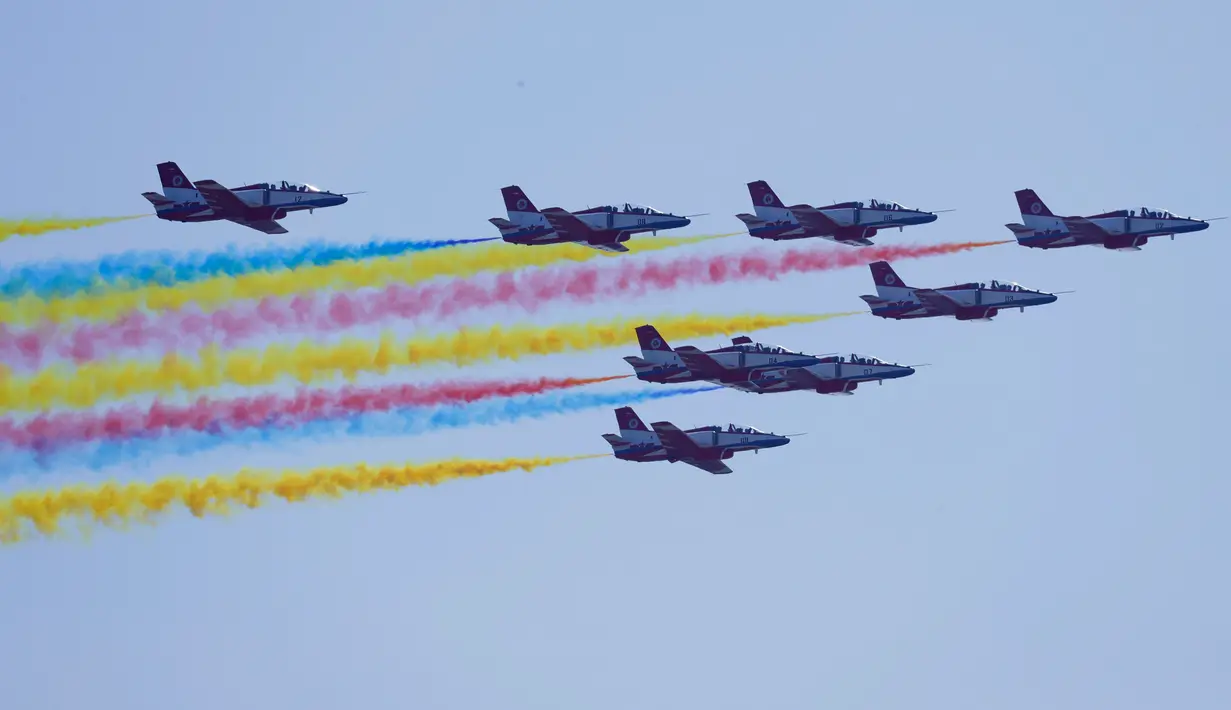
(175, 184)
(889, 285)
(629, 422)
(1028, 202)
(518, 205)
(652, 342)
(1035, 213)
(766, 204)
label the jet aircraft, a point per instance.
(258, 206)
(1121, 230)
(603, 228)
(968, 301)
(844, 222)
(704, 447)
(755, 367)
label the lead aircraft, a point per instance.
(755, 367)
(968, 301)
(603, 228)
(1121, 230)
(258, 206)
(704, 447)
(843, 222)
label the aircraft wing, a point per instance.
(814, 219)
(567, 225)
(230, 207)
(700, 362)
(817, 221)
(800, 378)
(605, 246)
(678, 446)
(1085, 228)
(221, 200)
(936, 300)
(267, 226)
(852, 240)
(709, 465)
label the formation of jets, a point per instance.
(744, 365)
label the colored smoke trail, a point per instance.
(212, 293)
(47, 432)
(310, 362)
(33, 227)
(135, 269)
(325, 313)
(118, 504)
(402, 421)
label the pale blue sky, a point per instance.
(1036, 520)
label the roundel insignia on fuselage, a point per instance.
(521, 204)
(655, 343)
(177, 180)
(889, 279)
(768, 199)
(633, 423)
(1036, 208)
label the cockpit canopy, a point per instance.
(293, 187)
(738, 429)
(883, 205)
(632, 208)
(855, 359)
(1004, 286)
(1148, 213)
(762, 348)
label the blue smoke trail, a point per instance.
(136, 269)
(407, 421)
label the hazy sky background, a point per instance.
(1035, 520)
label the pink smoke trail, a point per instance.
(48, 431)
(530, 289)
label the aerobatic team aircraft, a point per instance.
(602, 228)
(843, 222)
(968, 301)
(704, 447)
(755, 367)
(257, 206)
(1122, 230)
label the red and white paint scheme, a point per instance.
(851, 223)
(257, 206)
(968, 301)
(748, 366)
(704, 447)
(604, 228)
(1121, 230)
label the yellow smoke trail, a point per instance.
(33, 227)
(310, 362)
(116, 505)
(209, 294)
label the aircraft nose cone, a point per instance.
(908, 371)
(343, 199)
(929, 217)
(1050, 298)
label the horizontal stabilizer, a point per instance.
(158, 200)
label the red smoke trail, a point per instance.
(530, 289)
(204, 414)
